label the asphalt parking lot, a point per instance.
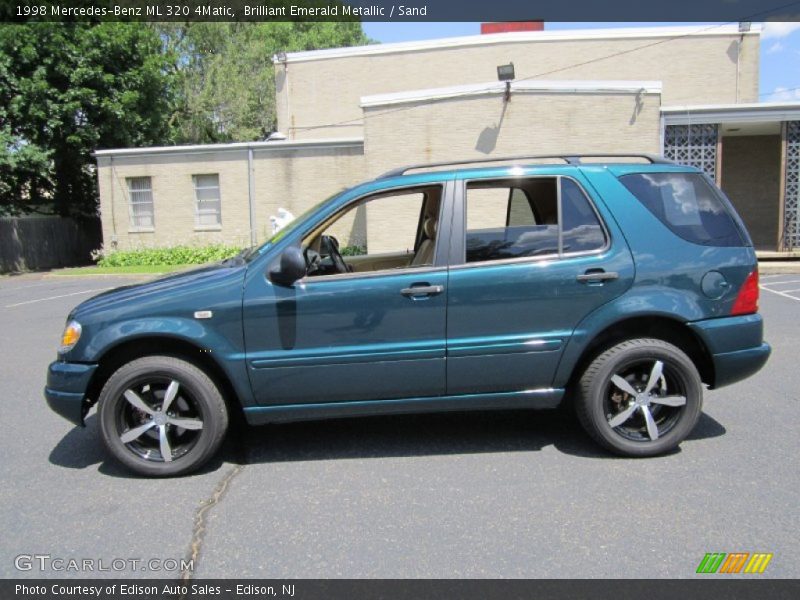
(513, 494)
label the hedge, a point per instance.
(175, 255)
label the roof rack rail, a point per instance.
(571, 159)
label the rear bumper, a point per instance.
(736, 346)
(66, 387)
(731, 367)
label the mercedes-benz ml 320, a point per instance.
(620, 285)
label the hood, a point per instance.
(197, 280)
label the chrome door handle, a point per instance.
(422, 290)
(598, 276)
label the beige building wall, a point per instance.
(320, 97)
(486, 126)
(173, 199)
(531, 123)
(297, 180)
(296, 176)
(316, 90)
(294, 179)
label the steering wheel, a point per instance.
(330, 244)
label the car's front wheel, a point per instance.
(641, 397)
(161, 416)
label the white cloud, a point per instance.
(776, 47)
(782, 94)
(778, 29)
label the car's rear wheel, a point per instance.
(641, 397)
(162, 416)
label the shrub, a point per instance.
(175, 255)
(353, 250)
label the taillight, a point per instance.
(747, 299)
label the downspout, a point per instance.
(113, 176)
(738, 66)
(251, 196)
(290, 123)
(281, 58)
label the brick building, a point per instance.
(350, 113)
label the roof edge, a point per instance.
(515, 37)
(721, 113)
(499, 87)
(236, 146)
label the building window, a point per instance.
(140, 192)
(207, 206)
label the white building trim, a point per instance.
(238, 146)
(517, 87)
(761, 112)
(520, 36)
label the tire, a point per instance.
(617, 419)
(134, 428)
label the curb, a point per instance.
(778, 268)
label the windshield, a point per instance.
(250, 253)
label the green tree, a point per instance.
(225, 73)
(69, 89)
(66, 90)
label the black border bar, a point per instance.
(732, 588)
(398, 10)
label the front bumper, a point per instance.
(66, 387)
(736, 346)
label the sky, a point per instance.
(779, 71)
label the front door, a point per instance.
(535, 258)
(367, 323)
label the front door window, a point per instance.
(391, 230)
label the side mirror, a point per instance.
(290, 267)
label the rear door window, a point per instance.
(519, 218)
(581, 228)
(688, 205)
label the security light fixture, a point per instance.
(744, 26)
(505, 72)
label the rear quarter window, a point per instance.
(690, 206)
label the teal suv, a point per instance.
(619, 285)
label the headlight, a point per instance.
(70, 337)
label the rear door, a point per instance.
(530, 258)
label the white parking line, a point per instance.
(9, 290)
(56, 297)
(13, 286)
(783, 282)
(784, 294)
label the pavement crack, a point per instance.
(200, 520)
